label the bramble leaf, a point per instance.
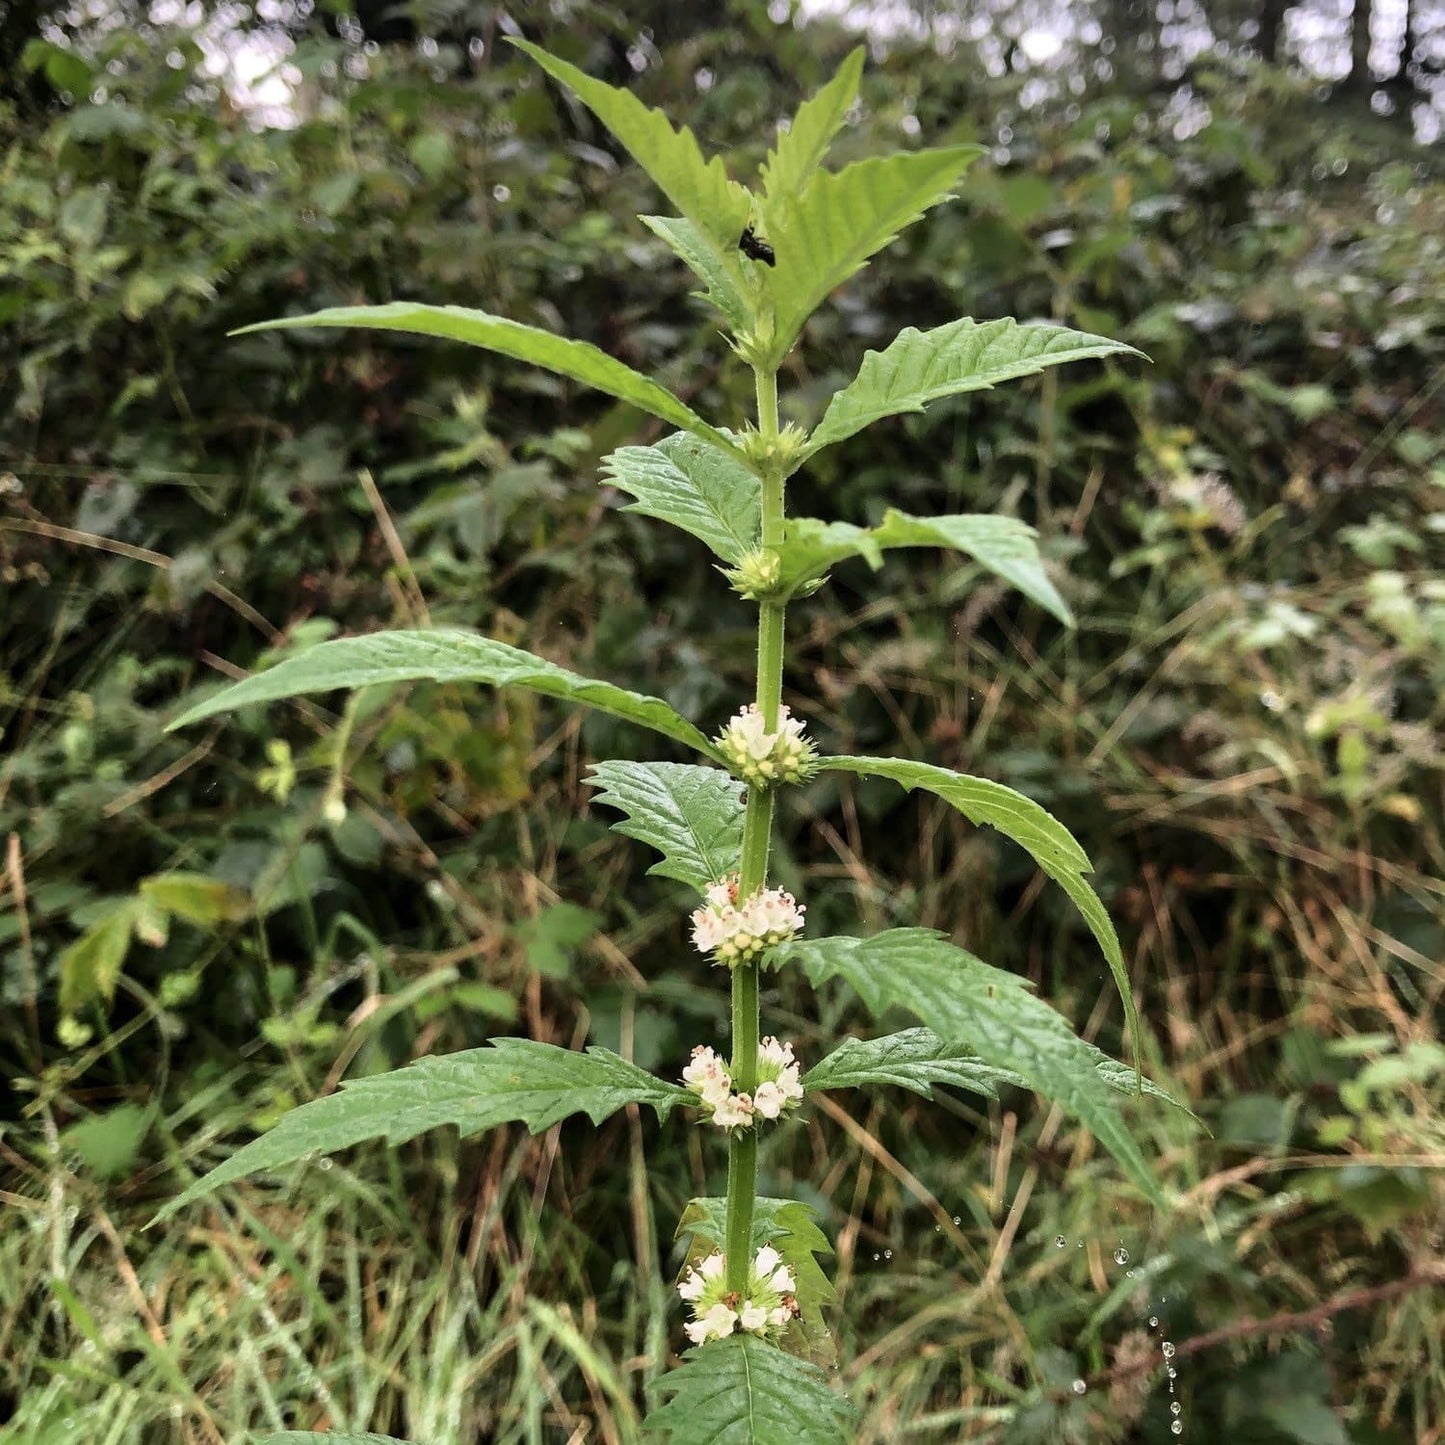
(694, 486)
(700, 189)
(801, 148)
(968, 1001)
(91, 967)
(441, 655)
(743, 1391)
(840, 218)
(918, 367)
(579, 360)
(1052, 846)
(477, 1089)
(1004, 546)
(693, 816)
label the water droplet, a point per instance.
(501, 193)
(938, 1229)
(1175, 1408)
(1176, 1428)
(1060, 1242)
(875, 1259)
(957, 1220)
(1121, 1255)
(887, 1254)
(1079, 1387)
(1153, 1322)
(324, 1164)
(1173, 1374)
(1168, 1348)
(1129, 1274)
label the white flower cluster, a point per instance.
(736, 932)
(780, 1085)
(761, 758)
(768, 1304)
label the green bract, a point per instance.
(724, 485)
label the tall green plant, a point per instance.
(766, 259)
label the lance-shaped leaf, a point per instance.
(966, 1000)
(918, 367)
(441, 655)
(694, 486)
(718, 268)
(1005, 546)
(1053, 847)
(918, 1058)
(840, 218)
(693, 816)
(579, 360)
(700, 189)
(514, 1080)
(800, 149)
(743, 1391)
(914, 1059)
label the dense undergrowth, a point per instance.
(1249, 720)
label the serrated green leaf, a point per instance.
(840, 218)
(917, 1059)
(918, 367)
(700, 189)
(694, 486)
(477, 1089)
(196, 898)
(966, 1000)
(693, 816)
(714, 266)
(1005, 546)
(440, 655)
(914, 1059)
(579, 360)
(742, 1391)
(1051, 845)
(801, 148)
(90, 967)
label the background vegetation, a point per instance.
(1245, 732)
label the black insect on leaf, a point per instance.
(755, 248)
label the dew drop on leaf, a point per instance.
(1060, 1242)
(1168, 1349)
(1121, 1255)
(1153, 1322)
(1079, 1387)
(1175, 1408)
(1176, 1428)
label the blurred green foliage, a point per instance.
(198, 932)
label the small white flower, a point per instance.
(718, 1323)
(779, 1316)
(768, 1100)
(762, 758)
(734, 1112)
(736, 932)
(766, 1260)
(782, 1280)
(753, 1317)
